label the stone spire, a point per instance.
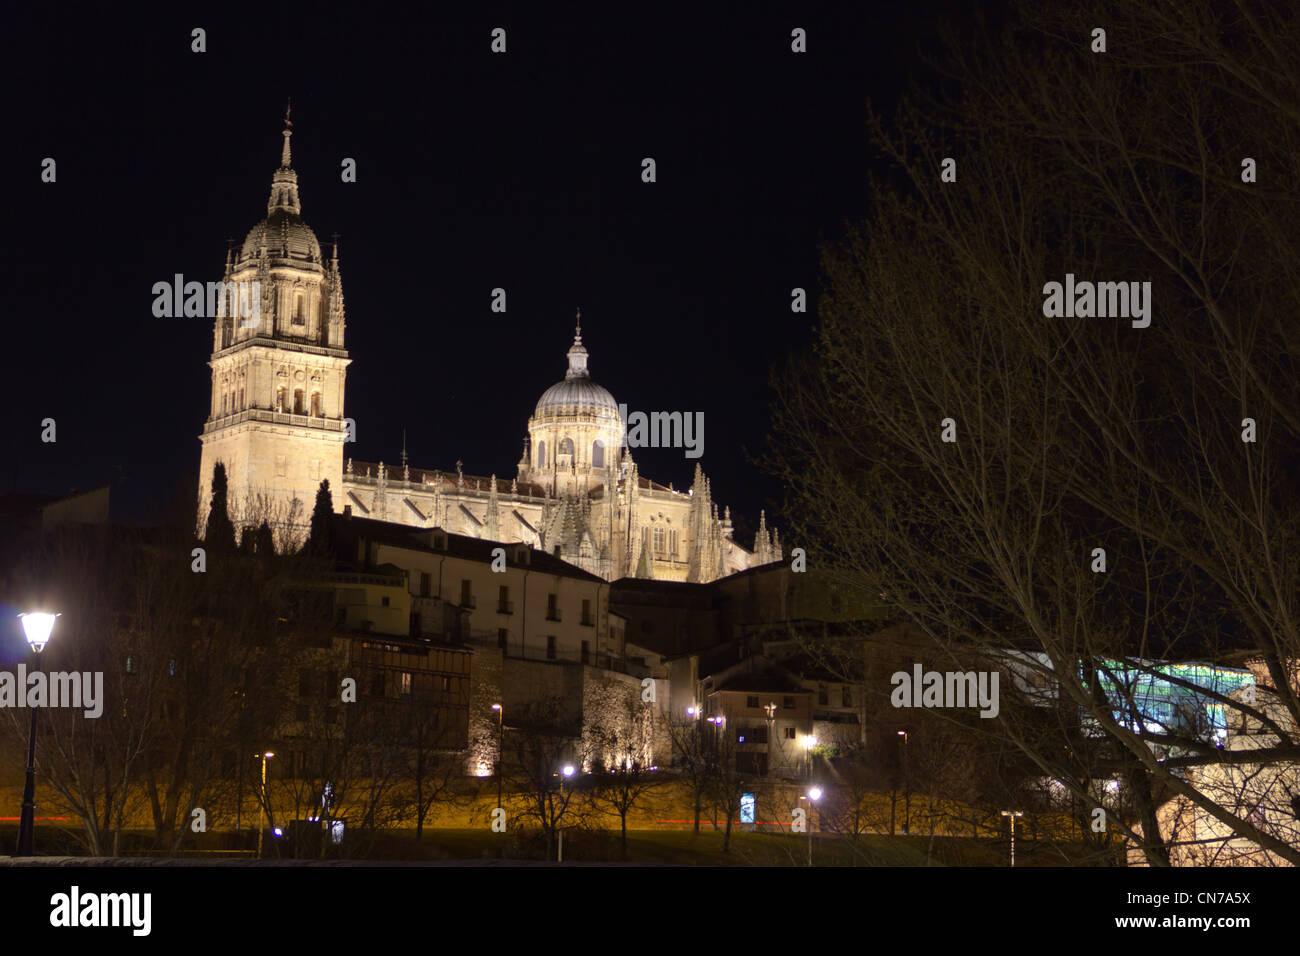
(762, 543)
(284, 184)
(493, 513)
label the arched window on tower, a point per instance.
(566, 447)
(659, 540)
(315, 404)
(541, 454)
(279, 398)
(297, 401)
(299, 315)
(598, 454)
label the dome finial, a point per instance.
(288, 131)
(577, 333)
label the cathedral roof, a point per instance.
(577, 390)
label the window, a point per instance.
(566, 447)
(789, 733)
(241, 396)
(297, 401)
(586, 612)
(586, 652)
(598, 454)
(552, 611)
(426, 583)
(377, 684)
(466, 593)
(672, 542)
(846, 696)
(315, 405)
(405, 684)
(446, 683)
(171, 668)
(385, 601)
(503, 635)
(279, 398)
(298, 317)
(787, 703)
(130, 665)
(503, 600)
(550, 647)
(659, 540)
(541, 454)
(752, 701)
(823, 697)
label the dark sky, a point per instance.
(474, 171)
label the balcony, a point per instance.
(505, 607)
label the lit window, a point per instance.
(406, 683)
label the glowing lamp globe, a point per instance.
(37, 626)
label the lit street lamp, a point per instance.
(814, 794)
(36, 627)
(567, 772)
(267, 755)
(501, 734)
(1013, 814)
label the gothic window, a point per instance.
(566, 447)
(297, 401)
(598, 454)
(241, 397)
(672, 542)
(315, 405)
(659, 540)
(224, 403)
(299, 316)
(541, 454)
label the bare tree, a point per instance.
(1108, 492)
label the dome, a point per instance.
(577, 390)
(287, 238)
(582, 392)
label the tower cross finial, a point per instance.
(288, 108)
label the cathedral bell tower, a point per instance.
(278, 370)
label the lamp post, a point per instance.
(566, 772)
(261, 830)
(814, 794)
(1012, 814)
(907, 786)
(501, 735)
(36, 628)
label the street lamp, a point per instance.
(1013, 814)
(501, 736)
(814, 794)
(907, 787)
(566, 772)
(266, 755)
(36, 628)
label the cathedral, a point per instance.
(278, 425)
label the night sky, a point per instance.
(474, 171)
